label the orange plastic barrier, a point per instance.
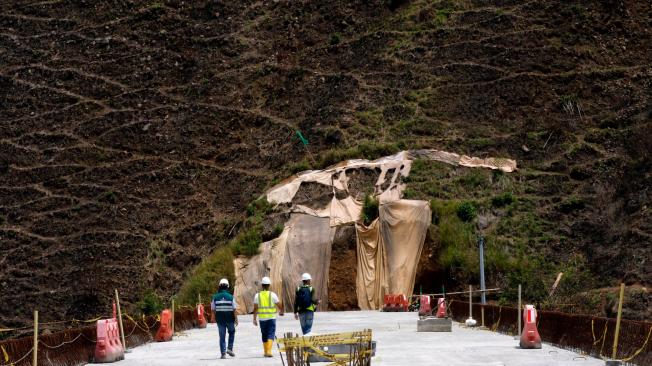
(201, 319)
(441, 307)
(402, 303)
(395, 303)
(424, 305)
(165, 332)
(389, 303)
(530, 337)
(108, 347)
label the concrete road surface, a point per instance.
(398, 344)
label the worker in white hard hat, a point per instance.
(226, 317)
(266, 303)
(305, 304)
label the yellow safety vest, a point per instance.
(266, 307)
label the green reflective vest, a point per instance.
(266, 307)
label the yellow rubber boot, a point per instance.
(268, 348)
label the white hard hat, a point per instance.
(266, 281)
(224, 281)
(306, 277)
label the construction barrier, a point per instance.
(424, 305)
(394, 303)
(441, 308)
(201, 319)
(530, 336)
(401, 303)
(580, 333)
(388, 300)
(72, 347)
(165, 331)
(212, 321)
(108, 347)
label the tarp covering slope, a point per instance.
(389, 250)
(304, 246)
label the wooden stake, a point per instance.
(122, 329)
(620, 313)
(554, 285)
(482, 314)
(470, 302)
(173, 316)
(35, 351)
(519, 312)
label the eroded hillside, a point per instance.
(134, 133)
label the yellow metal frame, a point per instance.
(313, 344)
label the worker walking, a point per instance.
(305, 304)
(225, 307)
(265, 305)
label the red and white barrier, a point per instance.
(441, 307)
(424, 305)
(402, 303)
(165, 331)
(108, 347)
(530, 337)
(395, 303)
(388, 301)
(201, 319)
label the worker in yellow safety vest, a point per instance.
(265, 305)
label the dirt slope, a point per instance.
(133, 133)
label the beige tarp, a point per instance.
(249, 271)
(335, 177)
(304, 246)
(389, 251)
(506, 165)
(344, 211)
(369, 281)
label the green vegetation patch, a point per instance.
(150, 304)
(458, 255)
(467, 211)
(571, 204)
(206, 276)
(250, 236)
(370, 209)
(515, 213)
(502, 200)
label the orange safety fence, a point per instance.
(586, 334)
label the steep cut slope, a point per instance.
(134, 133)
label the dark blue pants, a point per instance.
(306, 321)
(268, 329)
(222, 327)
